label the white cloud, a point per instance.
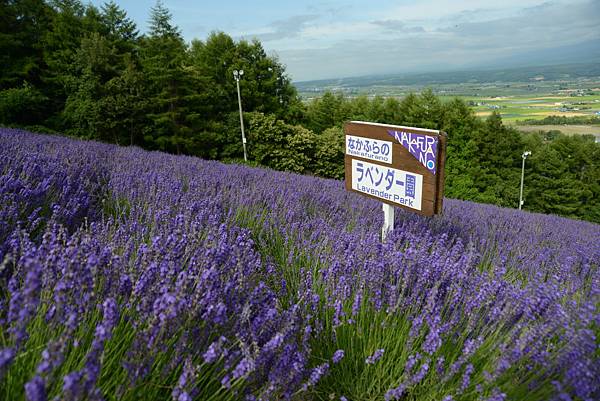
(453, 37)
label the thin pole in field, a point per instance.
(388, 220)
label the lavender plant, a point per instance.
(127, 274)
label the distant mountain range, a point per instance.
(482, 75)
(583, 52)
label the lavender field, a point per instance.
(135, 275)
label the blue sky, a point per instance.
(331, 39)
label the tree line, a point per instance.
(84, 71)
(562, 120)
(87, 72)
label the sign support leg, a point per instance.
(388, 220)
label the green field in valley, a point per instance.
(516, 108)
(517, 103)
(564, 128)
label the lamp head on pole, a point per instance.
(238, 74)
(526, 153)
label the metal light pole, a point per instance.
(524, 156)
(237, 75)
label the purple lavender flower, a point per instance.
(420, 375)
(35, 389)
(439, 366)
(72, 385)
(337, 356)
(184, 396)
(466, 379)
(338, 313)
(6, 357)
(395, 393)
(497, 395)
(214, 350)
(274, 342)
(371, 359)
(88, 224)
(433, 340)
(411, 362)
(244, 368)
(185, 382)
(316, 374)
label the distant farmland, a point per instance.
(565, 129)
(514, 108)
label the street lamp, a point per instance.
(237, 75)
(524, 156)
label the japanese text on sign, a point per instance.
(388, 183)
(368, 148)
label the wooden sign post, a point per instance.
(399, 166)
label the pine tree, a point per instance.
(120, 30)
(326, 112)
(94, 65)
(61, 44)
(106, 99)
(164, 59)
(22, 26)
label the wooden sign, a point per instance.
(400, 166)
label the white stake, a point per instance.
(388, 220)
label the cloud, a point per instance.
(284, 29)
(544, 25)
(476, 38)
(394, 25)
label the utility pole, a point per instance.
(237, 75)
(524, 156)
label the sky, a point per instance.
(339, 38)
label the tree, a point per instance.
(326, 112)
(329, 154)
(359, 108)
(562, 175)
(391, 111)
(462, 126)
(265, 87)
(496, 162)
(124, 106)
(23, 24)
(71, 22)
(22, 106)
(120, 30)
(280, 146)
(106, 93)
(170, 86)
(548, 187)
(424, 111)
(94, 65)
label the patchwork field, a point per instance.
(564, 128)
(515, 108)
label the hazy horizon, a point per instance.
(336, 39)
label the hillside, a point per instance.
(130, 274)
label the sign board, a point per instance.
(400, 166)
